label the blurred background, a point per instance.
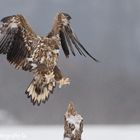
(103, 93)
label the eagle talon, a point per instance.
(64, 81)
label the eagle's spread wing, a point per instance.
(69, 40)
(15, 39)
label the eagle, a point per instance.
(30, 52)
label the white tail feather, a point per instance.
(40, 89)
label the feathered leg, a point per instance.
(61, 80)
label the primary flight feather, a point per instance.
(39, 55)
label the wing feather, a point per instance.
(80, 48)
(17, 51)
(71, 37)
(69, 40)
(64, 44)
(4, 41)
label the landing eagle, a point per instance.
(39, 55)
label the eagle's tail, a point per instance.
(43, 84)
(40, 88)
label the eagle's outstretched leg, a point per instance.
(64, 81)
(61, 80)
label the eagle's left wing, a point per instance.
(69, 40)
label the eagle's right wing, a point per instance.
(16, 38)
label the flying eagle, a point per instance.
(30, 52)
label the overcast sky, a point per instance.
(103, 93)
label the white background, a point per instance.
(130, 132)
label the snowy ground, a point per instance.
(128, 132)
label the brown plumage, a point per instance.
(39, 55)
